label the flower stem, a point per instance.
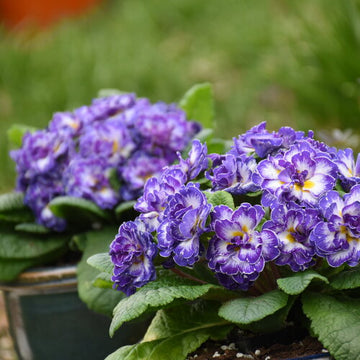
(275, 271)
(187, 276)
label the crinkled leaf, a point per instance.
(336, 322)
(101, 262)
(176, 332)
(156, 294)
(17, 245)
(220, 198)
(198, 103)
(32, 228)
(298, 282)
(251, 309)
(196, 315)
(101, 300)
(85, 210)
(348, 279)
(16, 132)
(271, 323)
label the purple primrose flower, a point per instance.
(349, 169)
(65, 124)
(132, 252)
(234, 174)
(293, 224)
(38, 195)
(41, 153)
(90, 179)
(184, 222)
(196, 162)
(338, 237)
(136, 171)
(105, 107)
(238, 252)
(157, 192)
(109, 139)
(302, 174)
(260, 141)
(165, 126)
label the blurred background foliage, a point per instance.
(286, 62)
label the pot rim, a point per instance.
(44, 277)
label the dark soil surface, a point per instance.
(233, 349)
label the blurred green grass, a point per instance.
(290, 63)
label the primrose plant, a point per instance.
(261, 236)
(79, 173)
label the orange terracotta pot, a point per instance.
(41, 13)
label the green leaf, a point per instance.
(101, 262)
(198, 103)
(196, 315)
(202, 136)
(16, 245)
(32, 228)
(20, 250)
(176, 332)
(349, 279)
(218, 146)
(84, 210)
(271, 323)
(124, 206)
(103, 281)
(141, 351)
(336, 322)
(11, 268)
(251, 309)
(254, 194)
(101, 300)
(78, 242)
(156, 294)
(13, 209)
(298, 282)
(16, 132)
(12, 201)
(220, 198)
(16, 217)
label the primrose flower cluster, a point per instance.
(103, 152)
(294, 202)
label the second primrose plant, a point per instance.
(262, 236)
(78, 177)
